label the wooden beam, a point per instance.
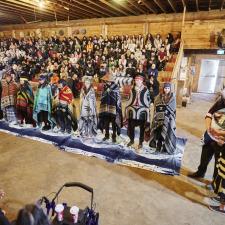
(72, 10)
(148, 6)
(160, 5)
(93, 9)
(210, 1)
(103, 8)
(222, 4)
(197, 5)
(122, 4)
(172, 5)
(76, 9)
(113, 7)
(135, 5)
(184, 3)
(25, 12)
(23, 19)
(29, 6)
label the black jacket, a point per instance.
(3, 219)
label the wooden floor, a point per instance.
(123, 195)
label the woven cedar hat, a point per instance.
(90, 78)
(108, 77)
(54, 79)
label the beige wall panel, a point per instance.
(197, 34)
(90, 30)
(165, 28)
(122, 29)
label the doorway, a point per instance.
(208, 75)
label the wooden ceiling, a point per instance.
(28, 11)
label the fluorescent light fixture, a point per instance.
(66, 8)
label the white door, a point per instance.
(208, 75)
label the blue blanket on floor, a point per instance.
(114, 153)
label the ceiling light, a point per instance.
(41, 3)
(66, 8)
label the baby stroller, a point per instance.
(86, 216)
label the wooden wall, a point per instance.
(202, 34)
(197, 31)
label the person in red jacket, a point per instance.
(65, 113)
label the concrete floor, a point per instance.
(124, 195)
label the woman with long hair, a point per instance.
(43, 104)
(88, 113)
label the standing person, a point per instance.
(88, 113)
(43, 104)
(210, 147)
(137, 111)
(153, 71)
(217, 134)
(32, 215)
(110, 108)
(25, 102)
(219, 186)
(163, 130)
(1, 112)
(8, 98)
(74, 84)
(153, 87)
(65, 113)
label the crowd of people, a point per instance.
(124, 56)
(66, 69)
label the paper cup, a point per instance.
(74, 210)
(59, 210)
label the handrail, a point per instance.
(176, 68)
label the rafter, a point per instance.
(136, 7)
(147, 5)
(25, 11)
(127, 7)
(159, 5)
(22, 16)
(74, 10)
(184, 3)
(197, 5)
(222, 5)
(113, 7)
(93, 9)
(210, 1)
(30, 6)
(172, 5)
(103, 8)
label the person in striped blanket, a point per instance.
(65, 110)
(8, 98)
